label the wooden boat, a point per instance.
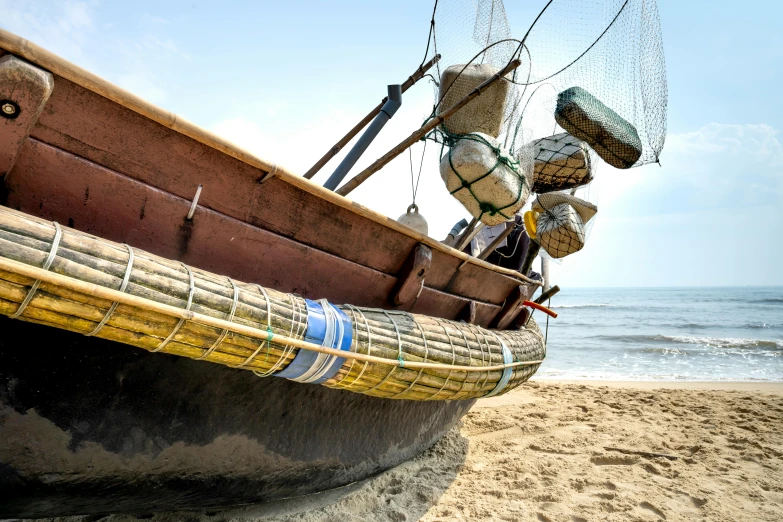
(110, 428)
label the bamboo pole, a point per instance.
(389, 335)
(110, 294)
(410, 82)
(460, 239)
(468, 236)
(421, 132)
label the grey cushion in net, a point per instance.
(611, 137)
(562, 163)
(560, 231)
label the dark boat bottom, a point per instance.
(92, 427)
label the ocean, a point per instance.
(666, 334)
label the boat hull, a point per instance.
(93, 427)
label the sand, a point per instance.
(543, 453)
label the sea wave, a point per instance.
(713, 342)
(762, 326)
(624, 322)
(717, 326)
(770, 300)
(725, 342)
(587, 305)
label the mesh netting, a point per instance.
(561, 222)
(591, 85)
(560, 231)
(562, 162)
(491, 184)
(610, 50)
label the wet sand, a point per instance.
(558, 451)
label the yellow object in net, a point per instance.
(530, 217)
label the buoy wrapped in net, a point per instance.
(560, 226)
(490, 183)
(560, 231)
(562, 162)
(485, 113)
(611, 136)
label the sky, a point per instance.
(285, 80)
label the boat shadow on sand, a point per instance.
(406, 492)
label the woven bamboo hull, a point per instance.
(121, 430)
(172, 432)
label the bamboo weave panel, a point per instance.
(387, 334)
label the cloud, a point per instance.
(280, 139)
(759, 141)
(65, 27)
(74, 30)
(716, 166)
(707, 216)
(295, 138)
(730, 161)
(142, 83)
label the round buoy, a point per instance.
(412, 219)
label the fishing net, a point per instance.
(562, 162)
(591, 85)
(611, 51)
(561, 223)
(484, 178)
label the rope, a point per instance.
(333, 337)
(415, 189)
(400, 361)
(187, 307)
(369, 345)
(267, 342)
(453, 360)
(619, 12)
(507, 372)
(302, 323)
(58, 234)
(430, 36)
(489, 350)
(470, 360)
(516, 243)
(230, 319)
(123, 286)
(355, 342)
(296, 310)
(504, 159)
(421, 370)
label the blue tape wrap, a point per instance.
(326, 326)
(508, 358)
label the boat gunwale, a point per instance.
(37, 55)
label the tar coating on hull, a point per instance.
(90, 427)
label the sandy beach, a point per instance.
(576, 451)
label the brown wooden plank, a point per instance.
(56, 185)
(24, 90)
(412, 276)
(468, 313)
(108, 134)
(511, 308)
(86, 80)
